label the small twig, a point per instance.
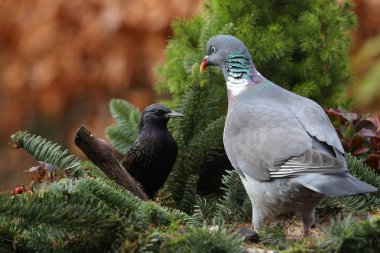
(101, 154)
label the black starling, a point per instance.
(152, 155)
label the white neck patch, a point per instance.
(236, 86)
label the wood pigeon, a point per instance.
(284, 147)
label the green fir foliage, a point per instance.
(207, 240)
(233, 206)
(85, 213)
(345, 235)
(124, 133)
(300, 45)
(47, 151)
(192, 156)
(94, 214)
(351, 237)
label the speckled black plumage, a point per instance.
(152, 156)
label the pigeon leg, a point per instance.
(257, 219)
(307, 220)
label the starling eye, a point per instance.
(159, 112)
(213, 50)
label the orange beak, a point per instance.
(203, 64)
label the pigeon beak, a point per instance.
(173, 114)
(203, 65)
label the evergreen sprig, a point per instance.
(189, 163)
(345, 235)
(95, 214)
(207, 240)
(47, 151)
(59, 221)
(204, 211)
(233, 205)
(124, 133)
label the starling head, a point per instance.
(157, 115)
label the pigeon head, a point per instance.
(218, 50)
(232, 57)
(157, 115)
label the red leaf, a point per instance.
(375, 120)
(332, 111)
(367, 133)
(356, 142)
(365, 123)
(350, 116)
(373, 162)
(360, 151)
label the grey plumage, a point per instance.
(287, 153)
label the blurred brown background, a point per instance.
(62, 61)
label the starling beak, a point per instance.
(173, 114)
(152, 156)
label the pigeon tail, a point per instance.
(335, 184)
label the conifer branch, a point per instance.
(199, 149)
(90, 214)
(47, 151)
(124, 133)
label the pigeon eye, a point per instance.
(213, 50)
